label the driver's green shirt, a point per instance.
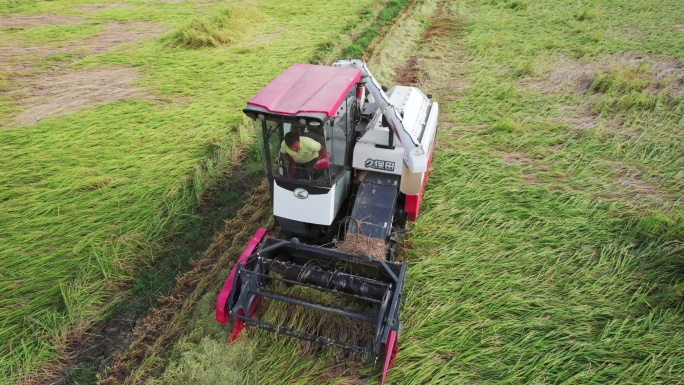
(308, 150)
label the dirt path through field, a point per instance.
(163, 325)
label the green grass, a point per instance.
(6, 105)
(550, 269)
(550, 249)
(86, 198)
(389, 11)
(50, 34)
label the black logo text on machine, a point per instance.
(379, 164)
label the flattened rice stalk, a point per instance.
(331, 326)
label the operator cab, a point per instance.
(315, 102)
(331, 134)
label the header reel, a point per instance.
(319, 295)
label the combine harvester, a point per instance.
(347, 165)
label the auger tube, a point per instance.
(415, 156)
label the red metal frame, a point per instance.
(391, 351)
(238, 324)
(224, 294)
(412, 203)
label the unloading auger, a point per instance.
(347, 164)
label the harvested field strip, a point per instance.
(164, 324)
(70, 91)
(86, 196)
(249, 359)
(194, 364)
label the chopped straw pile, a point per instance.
(362, 244)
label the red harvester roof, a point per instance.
(307, 88)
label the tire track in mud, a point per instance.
(164, 324)
(136, 328)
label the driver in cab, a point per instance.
(303, 157)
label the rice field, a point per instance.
(550, 249)
(91, 186)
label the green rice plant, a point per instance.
(4, 82)
(626, 90)
(228, 27)
(619, 81)
(390, 11)
(503, 125)
(644, 6)
(586, 14)
(387, 13)
(59, 58)
(51, 34)
(518, 5)
(524, 69)
(325, 49)
(658, 225)
(6, 105)
(356, 49)
(642, 101)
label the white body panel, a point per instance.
(413, 104)
(369, 157)
(318, 209)
(412, 182)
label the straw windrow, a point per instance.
(362, 244)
